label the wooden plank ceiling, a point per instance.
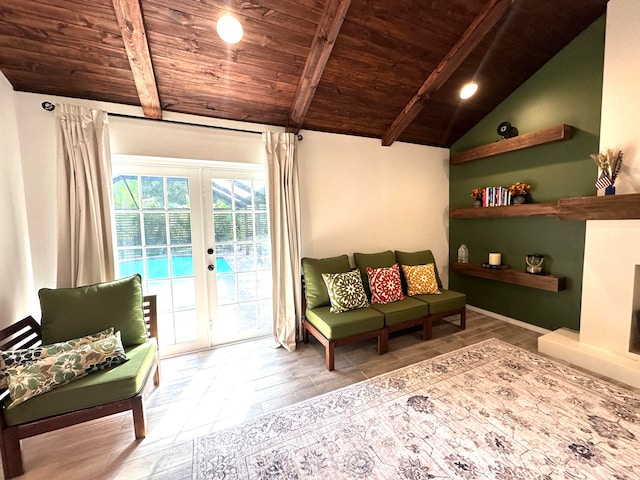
(374, 68)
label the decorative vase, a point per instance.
(477, 202)
(610, 190)
(519, 200)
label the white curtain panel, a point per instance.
(85, 246)
(284, 215)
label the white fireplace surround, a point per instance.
(606, 343)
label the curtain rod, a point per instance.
(48, 106)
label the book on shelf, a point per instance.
(496, 197)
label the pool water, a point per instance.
(158, 267)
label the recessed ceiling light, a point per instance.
(229, 29)
(468, 90)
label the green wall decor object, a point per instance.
(567, 90)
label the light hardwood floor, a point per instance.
(206, 391)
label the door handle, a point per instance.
(211, 268)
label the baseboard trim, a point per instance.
(510, 320)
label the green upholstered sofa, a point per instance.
(376, 320)
(79, 312)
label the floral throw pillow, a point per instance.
(345, 291)
(385, 284)
(12, 358)
(421, 279)
(41, 376)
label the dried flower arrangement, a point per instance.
(610, 164)
(519, 188)
(476, 193)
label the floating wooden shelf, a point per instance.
(551, 283)
(609, 207)
(526, 140)
(524, 210)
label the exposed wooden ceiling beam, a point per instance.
(323, 41)
(492, 12)
(129, 16)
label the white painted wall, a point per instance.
(611, 247)
(358, 196)
(620, 125)
(16, 283)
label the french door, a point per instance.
(199, 237)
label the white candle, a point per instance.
(495, 259)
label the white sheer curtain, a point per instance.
(85, 246)
(284, 216)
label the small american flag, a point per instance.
(603, 181)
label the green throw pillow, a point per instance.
(345, 291)
(313, 268)
(76, 312)
(27, 381)
(25, 356)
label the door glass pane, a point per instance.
(226, 258)
(155, 229)
(130, 261)
(221, 190)
(157, 263)
(152, 193)
(182, 261)
(180, 228)
(260, 199)
(223, 227)
(244, 226)
(128, 231)
(242, 195)
(125, 192)
(178, 193)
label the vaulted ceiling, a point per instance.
(377, 68)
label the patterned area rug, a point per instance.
(488, 411)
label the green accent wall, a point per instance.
(568, 89)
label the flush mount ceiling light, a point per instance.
(229, 29)
(468, 90)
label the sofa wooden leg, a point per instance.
(11, 453)
(330, 355)
(139, 417)
(427, 328)
(383, 342)
(305, 333)
(463, 318)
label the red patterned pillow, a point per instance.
(385, 284)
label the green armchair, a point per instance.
(67, 314)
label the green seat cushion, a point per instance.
(313, 268)
(76, 312)
(119, 383)
(372, 260)
(418, 258)
(340, 325)
(446, 301)
(402, 310)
